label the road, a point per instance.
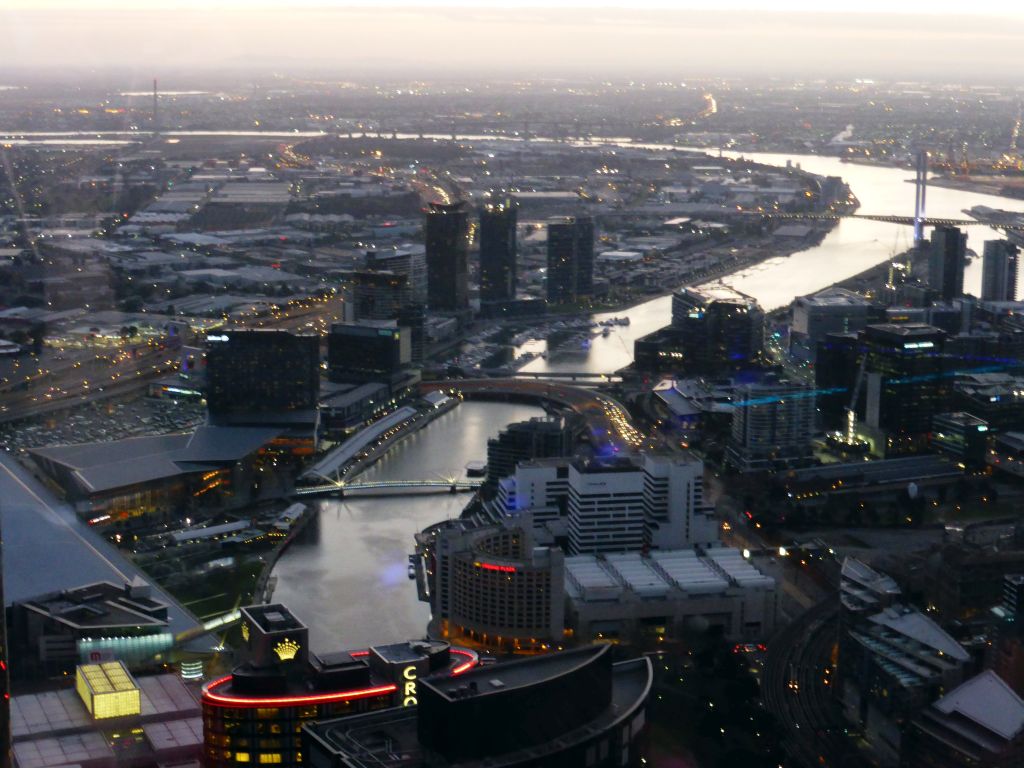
(609, 423)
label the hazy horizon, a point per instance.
(56, 38)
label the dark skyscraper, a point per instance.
(570, 259)
(414, 317)
(498, 248)
(447, 239)
(999, 271)
(377, 295)
(253, 376)
(946, 262)
(538, 438)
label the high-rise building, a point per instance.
(414, 317)
(714, 330)
(376, 295)
(369, 351)
(772, 425)
(613, 505)
(905, 382)
(257, 376)
(570, 275)
(999, 271)
(946, 262)
(498, 248)
(409, 260)
(833, 310)
(255, 714)
(538, 438)
(447, 241)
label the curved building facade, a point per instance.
(569, 709)
(255, 715)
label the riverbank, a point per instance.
(263, 589)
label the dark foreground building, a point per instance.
(255, 714)
(568, 709)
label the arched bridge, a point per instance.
(387, 487)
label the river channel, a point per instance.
(347, 575)
(348, 578)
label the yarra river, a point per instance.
(347, 577)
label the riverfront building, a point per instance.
(255, 715)
(714, 330)
(833, 310)
(573, 709)
(538, 438)
(498, 248)
(368, 351)
(999, 266)
(262, 377)
(946, 262)
(612, 505)
(447, 255)
(570, 275)
(490, 585)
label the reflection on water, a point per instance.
(347, 576)
(853, 246)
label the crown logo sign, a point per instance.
(245, 631)
(286, 649)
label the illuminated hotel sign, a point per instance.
(222, 337)
(495, 567)
(286, 649)
(409, 686)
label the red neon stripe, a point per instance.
(466, 665)
(289, 701)
(357, 654)
(496, 567)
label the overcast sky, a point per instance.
(670, 40)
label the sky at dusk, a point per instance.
(653, 38)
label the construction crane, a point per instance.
(851, 409)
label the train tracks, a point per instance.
(797, 681)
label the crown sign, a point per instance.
(286, 649)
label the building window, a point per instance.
(241, 757)
(268, 758)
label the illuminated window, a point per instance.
(241, 757)
(270, 757)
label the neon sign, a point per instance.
(409, 686)
(495, 567)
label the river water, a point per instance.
(347, 578)
(347, 575)
(853, 246)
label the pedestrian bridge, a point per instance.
(387, 488)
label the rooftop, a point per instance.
(988, 701)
